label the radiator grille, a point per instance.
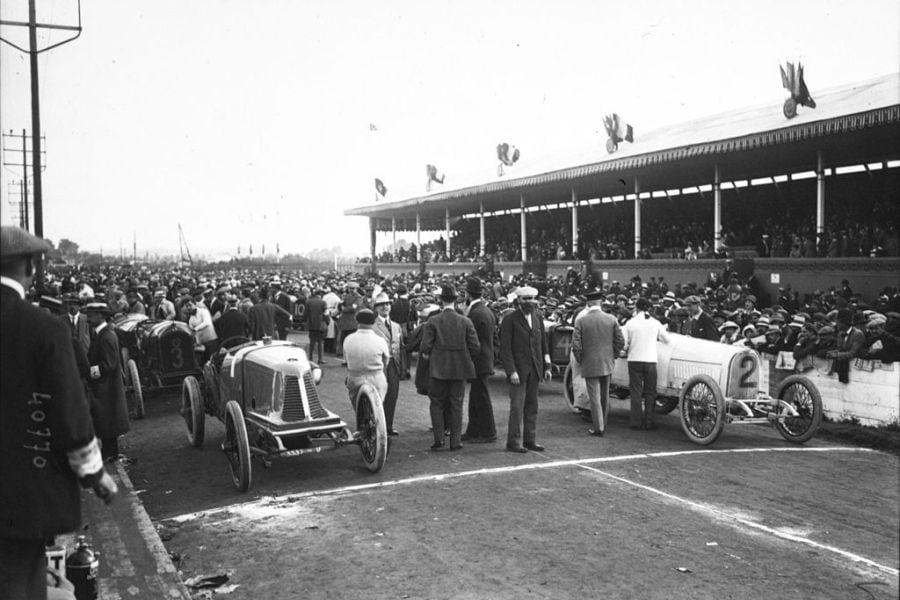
(293, 401)
(312, 397)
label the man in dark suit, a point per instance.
(284, 317)
(316, 323)
(108, 406)
(233, 324)
(402, 314)
(523, 352)
(47, 443)
(481, 428)
(700, 325)
(450, 343)
(78, 325)
(262, 316)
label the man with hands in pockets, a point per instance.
(641, 334)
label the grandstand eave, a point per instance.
(868, 130)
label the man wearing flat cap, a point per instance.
(450, 344)
(525, 357)
(596, 342)
(367, 355)
(47, 442)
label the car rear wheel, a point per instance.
(569, 388)
(372, 428)
(137, 392)
(237, 446)
(192, 410)
(802, 394)
(702, 409)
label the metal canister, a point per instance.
(82, 569)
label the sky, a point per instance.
(250, 123)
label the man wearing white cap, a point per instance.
(525, 356)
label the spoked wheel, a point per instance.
(236, 446)
(702, 409)
(372, 428)
(790, 108)
(665, 405)
(801, 394)
(137, 392)
(192, 411)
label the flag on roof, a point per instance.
(433, 175)
(793, 82)
(380, 187)
(507, 155)
(372, 127)
(617, 130)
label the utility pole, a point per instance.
(9, 150)
(33, 52)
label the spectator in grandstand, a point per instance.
(700, 324)
(881, 344)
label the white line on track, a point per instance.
(582, 463)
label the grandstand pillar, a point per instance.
(820, 198)
(418, 232)
(481, 228)
(394, 236)
(524, 246)
(447, 229)
(574, 225)
(717, 211)
(372, 230)
(637, 218)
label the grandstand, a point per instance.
(823, 185)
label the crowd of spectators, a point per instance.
(767, 221)
(811, 324)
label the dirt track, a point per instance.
(631, 515)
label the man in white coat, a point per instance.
(641, 334)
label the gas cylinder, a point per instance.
(82, 569)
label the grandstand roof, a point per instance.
(852, 124)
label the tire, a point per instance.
(372, 428)
(192, 411)
(802, 394)
(665, 405)
(569, 389)
(126, 356)
(237, 446)
(137, 392)
(702, 409)
(790, 108)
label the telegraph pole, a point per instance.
(33, 52)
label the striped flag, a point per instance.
(380, 187)
(433, 175)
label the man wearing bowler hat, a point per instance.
(481, 427)
(47, 443)
(450, 344)
(525, 356)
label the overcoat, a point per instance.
(522, 348)
(450, 340)
(596, 342)
(108, 406)
(485, 326)
(43, 415)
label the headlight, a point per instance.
(316, 375)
